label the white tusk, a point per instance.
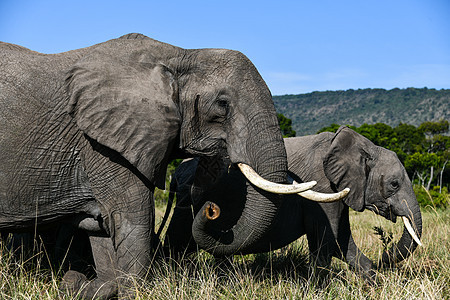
(411, 231)
(323, 197)
(272, 187)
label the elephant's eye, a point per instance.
(219, 111)
(223, 106)
(223, 103)
(394, 184)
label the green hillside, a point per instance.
(310, 112)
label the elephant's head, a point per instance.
(145, 100)
(377, 181)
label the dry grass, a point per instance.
(281, 274)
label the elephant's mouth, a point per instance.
(384, 211)
(201, 146)
(209, 152)
(387, 213)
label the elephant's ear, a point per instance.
(128, 107)
(345, 165)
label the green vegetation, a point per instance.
(285, 126)
(423, 150)
(281, 274)
(312, 111)
(162, 196)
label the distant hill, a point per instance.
(310, 112)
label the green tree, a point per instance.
(380, 134)
(421, 163)
(439, 144)
(433, 128)
(285, 126)
(332, 128)
(410, 139)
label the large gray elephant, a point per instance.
(86, 135)
(376, 178)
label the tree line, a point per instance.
(414, 106)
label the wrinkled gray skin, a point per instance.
(86, 135)
(376, 178)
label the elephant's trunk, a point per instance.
(254, 222)
(407, 243)
(266, 154)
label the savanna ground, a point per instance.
(281, 274)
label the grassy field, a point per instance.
(281, 274)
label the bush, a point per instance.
(432, 197)
(161, 196)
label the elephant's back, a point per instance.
(22, 86)
(30, 99)
(30, 76)
(305, 158)
(31, 86)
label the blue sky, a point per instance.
(298, 46)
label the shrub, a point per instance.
(432, 197)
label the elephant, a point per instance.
(86, 136)
(209, 206)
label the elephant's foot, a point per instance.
(371, 277)
(366, 270)
(320, 275)
(73, 282)
(76, 283)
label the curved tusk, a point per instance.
(272, 187)
(323, 197)
(411, 231)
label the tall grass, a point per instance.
(26, 278)
(281, 274)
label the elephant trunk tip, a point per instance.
(211, 211)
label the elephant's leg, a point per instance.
(125, 256)
(104, 286)
(321, 240)
(127, 216)
(349, 251)
(122, 255)
(179, 240)
(72, 250)
(115, 264)
(358, 261)
(321, 246)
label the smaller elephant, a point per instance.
(376, 178)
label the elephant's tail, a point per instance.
(172, 190)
